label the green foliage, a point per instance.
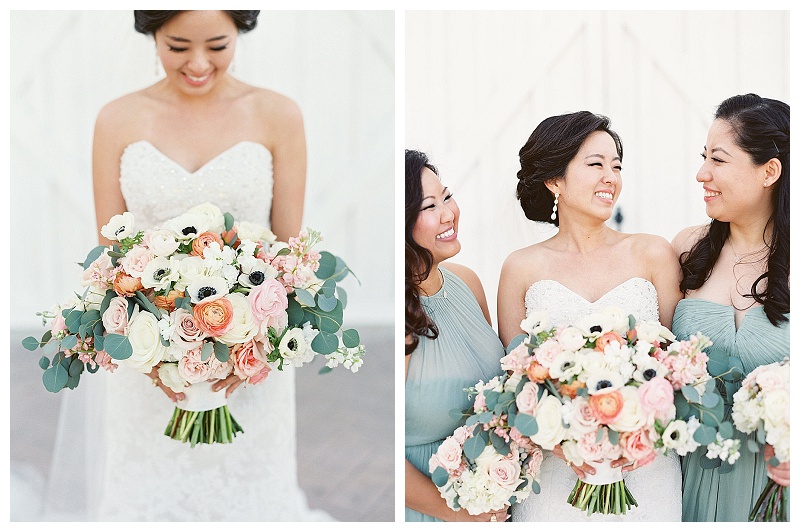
(118, 346)
(92, 256)
(350, 338)
(705, 435)
(474, 446)
(515, 342)
(30, 343)
(526, 424)
(325, 343)
(221, 351)
(228, 217)
(206, 351)
(55, 378)
(327, 265)
(304, 296)
(440, 476)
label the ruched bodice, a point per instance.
(707, 495)
(657, 486)
(466, 351)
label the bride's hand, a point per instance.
(231, 382)
(581, 470)
(174, 397)
(625, 464)
(778, 473)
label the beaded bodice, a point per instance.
(238, 180)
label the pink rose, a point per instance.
(534, 463)
(657, 399)
(99, 274)
(583, 419)
(188, 334)
(527, 398)
(217, 369)
(192, 369)
(637, 446)
(449, 454)
(505, 472)
(268, 302)
(115, 318)
(462, 433)
(548, 351)
(260, 376)
(59, 322)
(105, 361)
(135, 260)
(593, 451)
(248, 360)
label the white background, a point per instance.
(337, 65)
(478, 82)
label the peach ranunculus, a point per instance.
(248, 360)
(536, 372)
(214, 317)
(571, 389)
(167, 302)
(125, 285)
(202, 241)
(606, 405)
(606, 339)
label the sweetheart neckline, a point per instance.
(582, 297)
(731, 308)
(204, 165)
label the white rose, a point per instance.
(120, 226)
(548, 417)
(145, 338)
(168, 374)
(213, 215)
(653, 331)
(571, 453)
(619, 319)
(244, 324)
(571, 339)
(632, 416)
(191, 269)
(162, 242)
(254, 232)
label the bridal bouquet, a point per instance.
(761, 406)
(200, 298)
(487, 464)
(610, 388)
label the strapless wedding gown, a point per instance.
(657, 486)
(139, 474)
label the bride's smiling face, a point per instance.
(593, 180)
(437, 223)
(196, 48)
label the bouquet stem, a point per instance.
(210, 426)
(771, 505)
(614, 498)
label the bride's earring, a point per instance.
(555, 208)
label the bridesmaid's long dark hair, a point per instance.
(761, 128)
(419, 260)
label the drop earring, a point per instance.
(555, 208)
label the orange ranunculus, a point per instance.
(536, 372)
(606, 405)
(571, 389)
(606, 339)
(227, 236)
(126, 285)
(202, 241)
(215, 317)
(167, 302)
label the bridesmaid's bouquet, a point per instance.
(200, 298)
(761, 406)
(609, 387)
(487, 464)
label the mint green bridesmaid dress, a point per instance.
(707, 494)
(466, 351)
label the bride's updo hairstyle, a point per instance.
(419, 260)
(546, 155)
(761, 128)
(148, 22)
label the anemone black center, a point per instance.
(649, 374)
(603, 384)
(160, 273)
(188, 230)
(256, 277)
(595, 328)
(292, 345)
(206, 291)
(118, 231)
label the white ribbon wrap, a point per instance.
(200, 398)
(604, 474)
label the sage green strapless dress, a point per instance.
(466, 351)
(707, 494)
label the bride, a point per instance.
(198, 135)
(570, 176)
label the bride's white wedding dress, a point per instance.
(135, 472)
(657, 486)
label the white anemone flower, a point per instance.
(120, 226)
(604, 381)
(293, 344)
(647, 368)
(565, 366)
(596, 324)
(188, 225)
(160, 273)
(207, 288)
(258, 272)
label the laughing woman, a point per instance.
(450, 343)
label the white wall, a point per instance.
(478, 82)
(337, 65)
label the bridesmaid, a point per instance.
(736, 280)
(450, 343)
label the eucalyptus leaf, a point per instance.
(325, 343)
(705, 435)
(351, 338)
(46, 337)
(117, 346)
(774, 462)
(90, 317)
(221, 351)
(326, 304)
(329, 288)
(328, 321)
(304, 296)
(44, 362)
(341, 294)
(485, 417)
(515, 342)
(526, 424)
(92, 256)
(295, 313)
(725, 468)
(342, 270)
(613, 437)
(708, 463)
(30, 343)
(228, 218)
(753, 446)
(725, 429)
(324, 369)
(99, 340)
(110, 294)
(206, 351)
(49, 349)
(75, 367)
(536, 488)
(68, 342)
(73, 320)
(327, 265)
(473, 447)
(146, 304)
(761, 435)
(500, 445)
(491, 398)
(55, 378)
(440, 476)
(710, 399)
(97, 332)
(93, 369)
(73, 381)
(690, 393)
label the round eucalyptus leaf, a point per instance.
(75, 367)
(690, 393)
(206, 351)
(473, 447)
(304, 296)
(440, 476)
(350, 338)
(55, 378)
(324, 369)
(117, 346)
(221, 351)
(710, 398)
(725, 429)
(325, 343)
(705, 435)
(329, 288)
(341, 294)
(526, 424)
(325, 303)
(68, 342)
(44, 362)
(327, 265)
(30, 343)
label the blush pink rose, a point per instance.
(135, 260)
(637, 446)
(505, 472)
(248, 360)
(187, 334)
(219, 370)
(449, 454)
(115, 318)
(548, 351)
(583, 418)
(527, 398)
(260, 376)
(192, 369)
(657, 398)
(268, 301)
(59, 322)
(593, 451)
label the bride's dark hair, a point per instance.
(148, 22)
(761, 128)
(546, 155)
(419, 260)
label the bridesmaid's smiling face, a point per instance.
(733, 186)
(593, 180)
(437, 223)
(196, 48)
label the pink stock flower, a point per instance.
(100, 273)
(105, 361)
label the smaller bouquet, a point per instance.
(487, 464)
(610, 387)
(761, 406)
